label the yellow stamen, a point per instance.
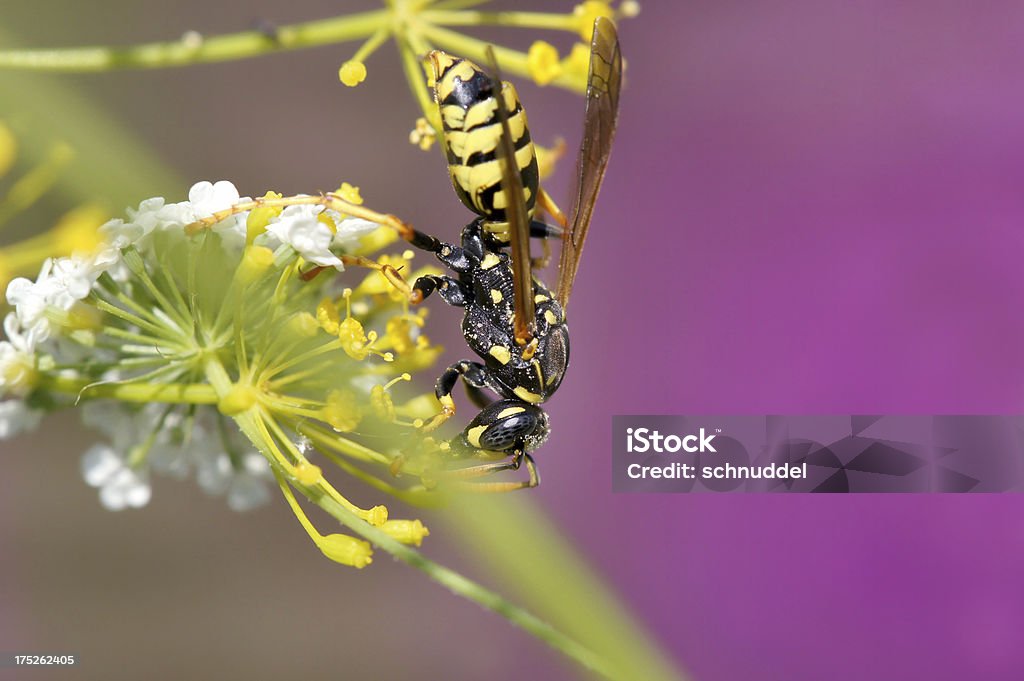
(586, 14)
(342, 411)
(542, 62)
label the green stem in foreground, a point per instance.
(469, 589)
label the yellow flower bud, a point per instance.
(308, 474)
(409, 532)
(260, 217)
(586, 14)
(255, 262)
(376, 516)
(542, 62)
(352, 73)
(346, 550)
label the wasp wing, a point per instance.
(515, 213)
(603, 85)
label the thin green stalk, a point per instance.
(175, 393)
(194, 49)
(471, 590)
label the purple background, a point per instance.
(812, 207)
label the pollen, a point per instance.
(327, 316)
(542, 62)
(352, 73)
(350, 193)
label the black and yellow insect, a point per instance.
(512, 321)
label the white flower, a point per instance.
(120, 486)
(155, 214)
(207, 199)
(301, 228)
(349, 231)
(17, 417)
(246, 488)
(61, 283)
(17, 360)
(72, 278)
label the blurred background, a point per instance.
(813, 207)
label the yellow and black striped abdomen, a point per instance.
(472, 131)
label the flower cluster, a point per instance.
(218, 353)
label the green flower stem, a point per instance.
(542, 20)
(171, 393)
(467, 588)
(514, 540)
(195, 51)
(457, 583)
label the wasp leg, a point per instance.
(331, 201)
(544, 231)
(387, 271)
(548, 205)
(473, 373)
(450, 290)
(464, 474)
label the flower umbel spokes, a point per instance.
(214, 352)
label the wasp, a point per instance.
(513, 322)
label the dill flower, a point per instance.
(217, 355)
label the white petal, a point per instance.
(247, 492)
(126, 488)
(214, 474)
(350, 229)
(16, 417)
(99, 464)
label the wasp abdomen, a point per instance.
(467, 101)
